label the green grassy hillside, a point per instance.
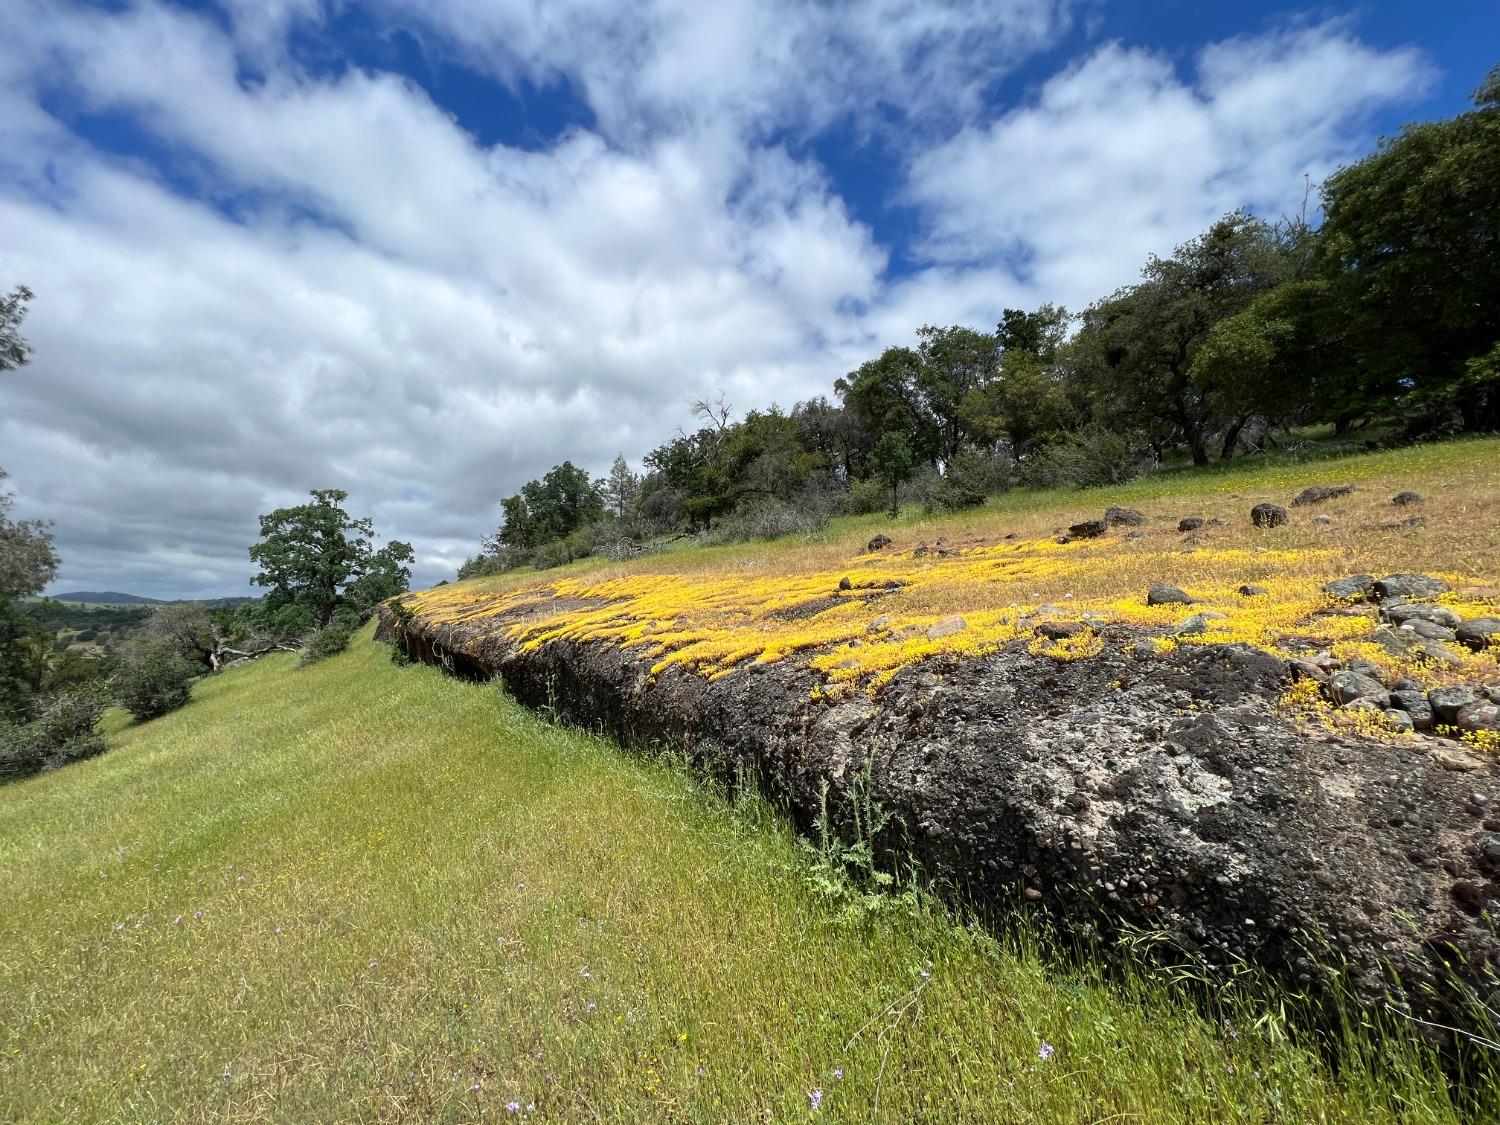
(357, 891)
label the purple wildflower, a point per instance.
(814, 1099)
(1046, 1051)
(838, 1072)
(512, 1107)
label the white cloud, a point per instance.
(332, 284)
(1119, 157)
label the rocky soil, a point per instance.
(1160, 791)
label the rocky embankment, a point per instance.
(1166, 791)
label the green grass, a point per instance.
(356, 891)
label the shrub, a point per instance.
(330, 640)
(154, 679)
(66, 730)
(865, 498)
(1090, 457)
(972, 476)
(773, 520)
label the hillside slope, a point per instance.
(1102, 715)
(361, 892)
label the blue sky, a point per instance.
(424, 251)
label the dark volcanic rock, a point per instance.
(1403, 499)
(1057, 630)
(1480, 632)
(1482, 715)
(1190, 523)
(1355, 586)
(1088, 529)
(1205, 813)
(1346, 687)
(1268, 515)
(1410, 586)
(1447, 702)
(879, 543)
(1168, 595)
(1402, 612)
(1128, 517)
(1251, 591)
(1319, 493)
(1415, 704)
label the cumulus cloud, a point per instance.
(1120, 156)
(290, 279)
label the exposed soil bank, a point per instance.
(1161, 791)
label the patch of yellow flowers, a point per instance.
(883, 618)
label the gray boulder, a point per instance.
(1355, 586)
(1402, 612)
(1168, 595)
(1447, 702)
(1429, 629)
(1403, 499)
(1399, 720)
(1345, 687)
(1478, 716)
(1410, 586)
(1129, 517)
(1480, 632)
(1415, 704)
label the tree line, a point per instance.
(1387, 310)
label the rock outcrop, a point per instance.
(1131, 789)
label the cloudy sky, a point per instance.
(424, 249)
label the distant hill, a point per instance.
(105, 597)
(114, 597)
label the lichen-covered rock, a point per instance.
(1268, 515)
(1410, 586)
(1317, 494)
(1405, 645)
(1399, 720)
(1128, 517)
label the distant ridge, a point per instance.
(105, 597)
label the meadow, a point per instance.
(357, 891)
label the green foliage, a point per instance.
(549, 509)
(1086, 459)
(864, 498)
(968, 479)
(892, 463)
(1411, 241)
(315, 559)
(330, 640)
(65, 729)
(14, 350)
(407, 804)
(154, 679)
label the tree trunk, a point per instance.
(1232, 437)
